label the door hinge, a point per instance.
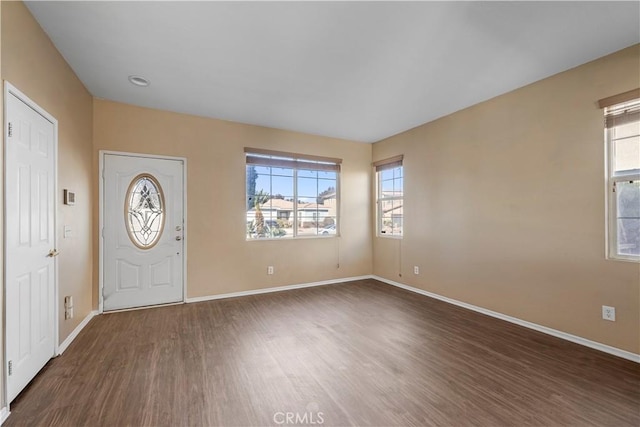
(10, 129)
(10, 367)
(614, 186)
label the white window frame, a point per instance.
(613, 178)
(379, 168)
(298, 162)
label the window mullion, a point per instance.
(295, 203)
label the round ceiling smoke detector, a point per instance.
(139, 81)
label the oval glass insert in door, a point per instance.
(144, 211)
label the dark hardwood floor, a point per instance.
(359, 353)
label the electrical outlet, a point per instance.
(416, 269)
(609, 313)
(68, 307)
(270, 269)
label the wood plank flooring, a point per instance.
(359, 353)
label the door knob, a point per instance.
(178, 238)
(53, 252)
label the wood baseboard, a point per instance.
(276, 289)
(530, 325)
(4, 414)
(72, 336)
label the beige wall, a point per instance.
(219, 258)
(505, 206)
(32, 64)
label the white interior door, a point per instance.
(30, 243)
(143, 219)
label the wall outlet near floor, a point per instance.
(270, 269)
(416, 269)
(68, 307)
(609, 313)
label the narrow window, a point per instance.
(390, 197)
(291, 195)
(144, 211)
(623, 188)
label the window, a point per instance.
(623, 190)
(390, 195)
(144, 211)
(290, 195)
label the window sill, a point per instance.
(290, 239)
(389, 236)
(623, 259)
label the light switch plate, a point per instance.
(69, 198)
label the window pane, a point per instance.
(307, 219)
(386, 174)
(327, 175)
(387, 188)
(327, 202)
(269, 219)
(252, 176)
(386, 206)
(266, 170)
(397, 172)
(281, 185)
(282, 171)
(328, 226)
(307, 174)
(326, 187)
(628, 216)
(305, 200)
(627, 153)
(386, 225)
(263, 184)
(397, 225)
(307, 187)
(396, 217)
(628, 231)
(391, 217)
(268, 211)
(628, 129)
(144, 211)
(397, 187)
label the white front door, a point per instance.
(143, 223)
(30, 243)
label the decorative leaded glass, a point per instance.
(144, 211)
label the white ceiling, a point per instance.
(356, 70)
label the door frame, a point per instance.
(101, 206)
(9, 89)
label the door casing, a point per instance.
(102, 153)
(9, 89)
